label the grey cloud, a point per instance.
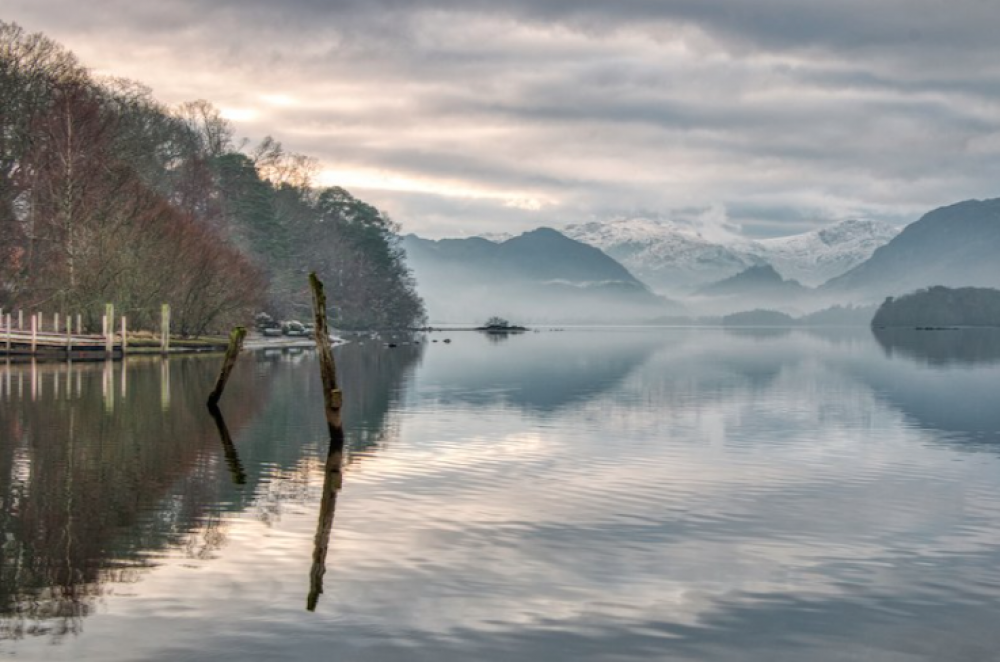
(787, 112)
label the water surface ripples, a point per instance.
(584, 495)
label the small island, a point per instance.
(500, 325)
(941, 308)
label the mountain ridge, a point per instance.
(672, 257)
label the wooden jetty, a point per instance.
(16, 341)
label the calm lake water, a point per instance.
(675, 494)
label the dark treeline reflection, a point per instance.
(942, 347)
(105, 467)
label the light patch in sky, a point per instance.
(381, 180)
(787, 114)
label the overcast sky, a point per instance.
(775, 116)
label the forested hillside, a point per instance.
(106, 195)
(941, 306)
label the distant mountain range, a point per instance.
(600, 271)
(538, 276)
(956, 246)
(674, 258)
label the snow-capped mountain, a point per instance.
(815, 257)
(666, 256)
(671, 257)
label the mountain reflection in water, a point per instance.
(626, 494)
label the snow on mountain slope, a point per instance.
(671, 257)
(815, 257)
(666, 256)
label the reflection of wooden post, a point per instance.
(165, 328)
(332, 396)
(232, 457)
(165, 384)
(332, 481)
(232, 353)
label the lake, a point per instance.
(586, 494)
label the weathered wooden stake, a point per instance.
(79, 324)
(124, 335)
(20, 320)
(109, 333)
(165, 328)
(34, 334)
(236, 338)
(332, 396)
(9, 333)
(55, 323)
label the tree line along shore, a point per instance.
(108, 195)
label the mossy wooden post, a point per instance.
(236, 338)
(332, 396)
(109, 329)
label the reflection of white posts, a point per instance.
(165, 384)
(108, 387)
(165, 328)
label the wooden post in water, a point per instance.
(9, 333)
(34, 334)
(79, 324)
(332, 395)
(124, 335)
(236, 338)
(333, 400)
(165, 328)
(20, 320)
(69, 340)
(109, 329)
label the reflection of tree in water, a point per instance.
(81, 470)
(942, 347)
(91, 483)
